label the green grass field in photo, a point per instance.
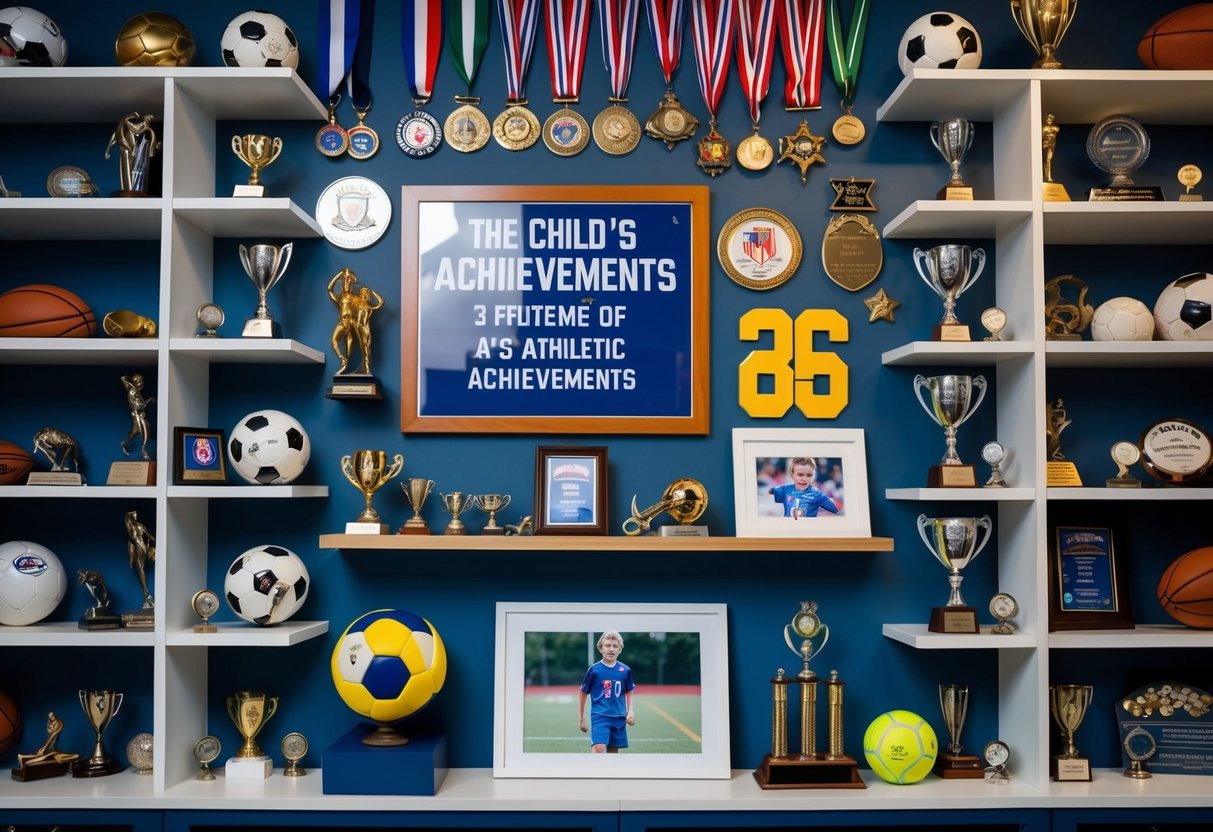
(666, 722)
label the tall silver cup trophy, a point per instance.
(265, 264)
(952, 138)
(954, 763)
(954, 543)
(951, 406)
(948, 270)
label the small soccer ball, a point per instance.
(939, 40)
(255, 39)
(269, 447)
(266, 585)
(1184, 310)
(30, 38)
(154, 39)
(32, 582)
(1122, 319)
(900, 747)
(388, 664)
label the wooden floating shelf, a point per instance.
(594, 543)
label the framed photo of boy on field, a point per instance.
(611, 690)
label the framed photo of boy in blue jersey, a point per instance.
(570, 489)
(800, 482)
(611, 690)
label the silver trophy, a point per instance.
(949, 272)
(265, 264)
(954, 703)
(952, 138)
(951, 406)
(954, 543)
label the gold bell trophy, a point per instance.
(250, 710)
(368, 471)
(810, 769)
(256, 151)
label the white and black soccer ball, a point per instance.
(30, 38)
(1122, 319)
(256, 39)
(266, 585)
(1184, 310)
(269, 447)
(32, 582)
(939, 40)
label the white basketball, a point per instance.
(30, 38)
(266, 585)
(1184, 310)
(939, 40)
(269, 447)
(256, 39)
(1122, 319)
(32, 582)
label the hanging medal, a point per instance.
(418, 133)
(568, 31)
(516, 128)
(616, 129)
(755, 49)
(467, 128)
(670, 122)
(844, 59)
(802, 35)
(712, 34)
(345, 25)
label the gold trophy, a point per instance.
(141, 552)
(250, 710)
(136, 142)
(1189, 176)
(809, 769)
(256, 151)
(1051, 191)
(100, 707)
(455, 503)
(1069, 705)
(354, 309)
(1044, 24)
(47, 760)
(952, 764)
(1066, 321)
(491, 503)
(142, 471)
(416, 490)
(265, 264)
(1059, 471)
(1124, 454)
(685, 499)
(368, 471)
(953, 542)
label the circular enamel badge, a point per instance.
(353, 212)
(418, 134)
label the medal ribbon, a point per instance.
(421, 43)
(467, 29)
(665, 26)
(519, 20)
(568, 31)
(617, 24)
(712, 33)
(802, 33)
(755, 49)
(340, 28)
(845, 55)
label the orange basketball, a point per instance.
(10, 722)
(43, 311)
(1182, 39)
(15, 463)
(1186, 588)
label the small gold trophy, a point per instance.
(256, 151)
(953, 764)
(456, 502)
(100, 706)
(47, 760)
(250, 710)
(294, 748)
(1051, 191)
(143, 470)
(141, 550)
(1189, 176)
(368, 471)
(491, 504)
(354, 309)
(416, 490)
(1069, 705)
(1124, 454)
(809, 769)
(100, 616)
(685, 499)
(136, 142)
(1066, 321)
(1059, 471)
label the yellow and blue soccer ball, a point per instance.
(388, 665)
(900, 747)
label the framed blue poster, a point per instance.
(1087, 578)
(555, 309)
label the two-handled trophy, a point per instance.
(952, 138)
(416, 490)
(949, 272)
(257, 151)
(954, 543)
(100, 707)
(265, 264)
(951, 406)
(456, 503)
(1069, 705)
(810, 769)
(250, 710)
(368, 471)
(1044, 24)
(954, 763)
(490, 504)
(685, 499)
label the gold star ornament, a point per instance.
(880, 306)
(803, 148)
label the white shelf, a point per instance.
(68, 634)
(139, 352)
(1144, 636)
(1128, 223)
(242, 492)
(244, 634)
(79, 492)
(64, 218)
(917, 636)
(247, 217)
(1147, 492)
(962, 353)
(943, 219)
(993, 494)
(1116, 354)
(975, 94)
(247, 350)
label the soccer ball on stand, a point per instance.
(30, 38)
(154, 39)
(939, 40)
(1122, 319)
(32, 582)
(256, 39)
(269, 447)
(266, 585)
(1184, 310)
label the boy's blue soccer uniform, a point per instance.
(808, 501)
(606, 687)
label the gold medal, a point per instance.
(715, 153)
(616, 130)
(364, 142)
(467, 129)
(566, 132)
(848, 129)
(671, 122)
(516, 128)
(331, 139)
(755, 153)
(803, 148)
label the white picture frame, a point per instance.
(761, 459)
(535, 719)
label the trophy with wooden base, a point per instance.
(951, 405)
(954, 764)
(953, 542)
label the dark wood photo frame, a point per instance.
(184, 474)
(594, 478)
(1062, 615)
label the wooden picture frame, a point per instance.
(571, 489)
(191, 449)
(1088, 577)
(555, 309)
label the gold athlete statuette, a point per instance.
(355, 305)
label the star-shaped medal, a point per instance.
(880, 306)
(803, 148)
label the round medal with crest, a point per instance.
(418, 134)
(759, 248)
(353, 212)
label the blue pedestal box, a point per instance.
(349, 767)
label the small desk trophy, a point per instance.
(949, 272)
(1069, 705)
(100, 616)
(685, 499)
(257, 151)
(141, 547)
(143, 470)
(953, 138)
(951, 406)
(1119, 145)
(368, 471)
(60, 448)
(47, 760)
(1051, 191)
(265, 264)
(354, 310)
(1189, 176)
(250, 710)
(953, 542)
(809, 769)
(1059, 471)
(953, 763)
(1124, 454)
(100, 706)
(416, 490)
(136, 142)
